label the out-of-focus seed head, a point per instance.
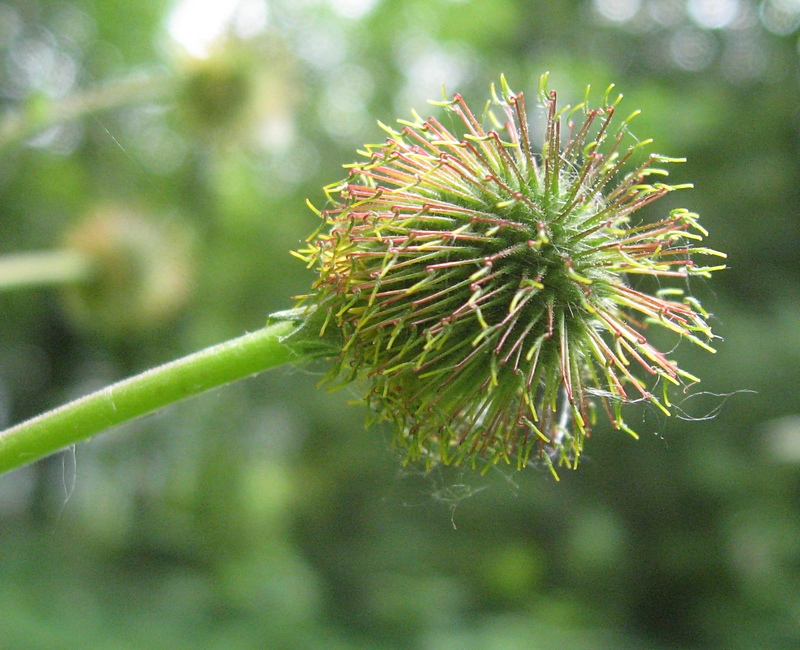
(143, 271)
(483, 289)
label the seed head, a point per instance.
(483, 290)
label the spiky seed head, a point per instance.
(482, 288)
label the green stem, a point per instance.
(41, 114)
(45, 268)
(148, 392)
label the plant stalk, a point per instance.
(147, 392)
(44, 268)
(41, 113)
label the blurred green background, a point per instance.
(264, 515)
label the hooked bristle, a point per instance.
(481, 288)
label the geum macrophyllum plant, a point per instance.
(480, 289)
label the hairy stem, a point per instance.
(148, 392)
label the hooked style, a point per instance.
(484, 290)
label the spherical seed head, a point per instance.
(481, 288)
(142, 276)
